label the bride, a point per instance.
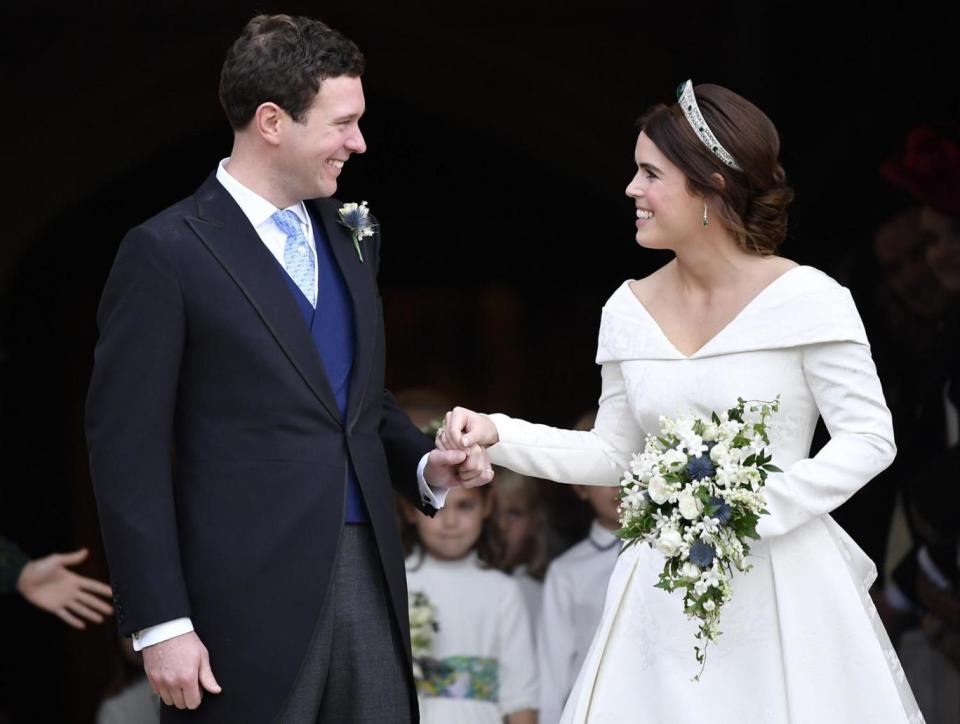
(727, 318)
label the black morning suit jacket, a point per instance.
(218, 453)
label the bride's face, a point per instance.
(667, 213)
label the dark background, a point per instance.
(500, 140)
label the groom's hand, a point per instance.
(177, 669)
(450, 468)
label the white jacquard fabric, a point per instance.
(801, 640)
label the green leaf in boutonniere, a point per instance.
(356, 217)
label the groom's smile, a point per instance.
(319, 145)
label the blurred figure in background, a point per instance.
(129, 699)
(924, 588)
(929, 170)
(424, 406)
(480, 666)
(520, 516)
(49, 585)
(573, 596)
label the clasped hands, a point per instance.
(467, 430)
(461, 456)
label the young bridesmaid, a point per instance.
(519, 514)
(481, 667)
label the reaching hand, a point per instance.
(463, 428)
(47, 584)
(179, 670)
(450, 468)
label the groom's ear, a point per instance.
(268, 121)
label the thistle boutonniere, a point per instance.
(356, 217)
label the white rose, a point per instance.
(659, 490)
(690, 505)
(719, 453)
(690, 571)
(709, 605)
(669, 541)
(710, 432)
(674, 460)
(729, 429)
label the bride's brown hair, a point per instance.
(752, 203)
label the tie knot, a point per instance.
(288, 222)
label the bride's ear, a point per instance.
(721, 182)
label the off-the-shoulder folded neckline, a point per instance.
(754, 301)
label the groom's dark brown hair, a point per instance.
(283, 59)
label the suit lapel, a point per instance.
(227, 233)
(359, 281)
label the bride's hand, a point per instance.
(463, 428)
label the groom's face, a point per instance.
(316, 150)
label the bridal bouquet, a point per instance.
(423, 625)
(695, 493)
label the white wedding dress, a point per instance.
(801, 642)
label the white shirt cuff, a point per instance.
(161, 632)
(429, 494)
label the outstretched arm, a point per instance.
(597, 457)
(48, 584)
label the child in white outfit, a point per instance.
(573, 596)
(481, 666)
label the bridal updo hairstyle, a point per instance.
(753, 202)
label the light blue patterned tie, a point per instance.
(297, 256)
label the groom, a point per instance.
(242, 444)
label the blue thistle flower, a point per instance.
(354, 218)
(702, 554)
(700, 467)
(724, 511)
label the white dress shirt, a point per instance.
(260, 213)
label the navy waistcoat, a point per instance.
(332, 330)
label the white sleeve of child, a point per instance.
(556, 652)
(517, 664)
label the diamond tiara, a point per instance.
(688, 104)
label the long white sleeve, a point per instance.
(598, 457)
(844, 383)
